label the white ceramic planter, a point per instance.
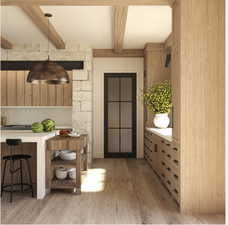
(161, 120)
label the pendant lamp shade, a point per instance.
(48, 72)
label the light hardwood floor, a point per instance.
(115, 191)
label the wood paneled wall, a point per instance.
(155, 70)
(15, 91)
(199, 52)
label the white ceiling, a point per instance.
(18, 28)
(90, 25)
(147, 24)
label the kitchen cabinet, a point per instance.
(198, 99)
(51, 95)
(3, 88)
(20, 83)
(11, 88)
(164, 158)
(44, 94)
(28, 91)
(15, 91)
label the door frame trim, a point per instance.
(115, 65)
(134, 117)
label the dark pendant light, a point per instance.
(48, 72)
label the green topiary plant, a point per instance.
(157, 98)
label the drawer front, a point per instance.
(170, 177)
(149, 135)
(148, 155)
(147, 143)
(165, 160)
(173, 190)
(175, 150)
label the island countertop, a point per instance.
(26, 135)
(40, 140)
(164, 133)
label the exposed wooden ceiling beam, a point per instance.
(37, 16)
(168, 41)
(154, 47)
(120, 20)
(6, 44)
(87, 2)
(123, 53)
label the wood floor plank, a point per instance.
(114, 191)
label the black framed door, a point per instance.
(120, 115)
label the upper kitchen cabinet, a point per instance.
(15, 91)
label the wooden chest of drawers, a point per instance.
(164, 157)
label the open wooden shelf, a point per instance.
(57, 162)
(77, 144)
(63, 184)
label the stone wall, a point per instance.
(82, 104)
(82, 79)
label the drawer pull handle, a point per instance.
(163, 151)
(175, 176)
(175, 161)
(163, 175)
(163, 163)
(168, 155)
(167, 144)
(168, 182)
(168, 169)
(162, 141)
(175, 191)
(175, 149)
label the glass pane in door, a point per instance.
(120, 115)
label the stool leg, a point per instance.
(11, 174)
(3, 176)
(30, 176)
(21, 176)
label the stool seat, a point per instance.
(16, 157)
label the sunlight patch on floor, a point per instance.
(93, 180)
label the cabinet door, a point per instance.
(11, 88)
(3, 88)
(67, 91)
(51, 95)
(20, 88)
(28, 91)
(59, 95)
(43, 94)
(35, 94)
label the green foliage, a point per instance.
(158, 97)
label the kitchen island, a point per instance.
(40, 140)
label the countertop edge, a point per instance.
(156, 132)
(27, 138)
